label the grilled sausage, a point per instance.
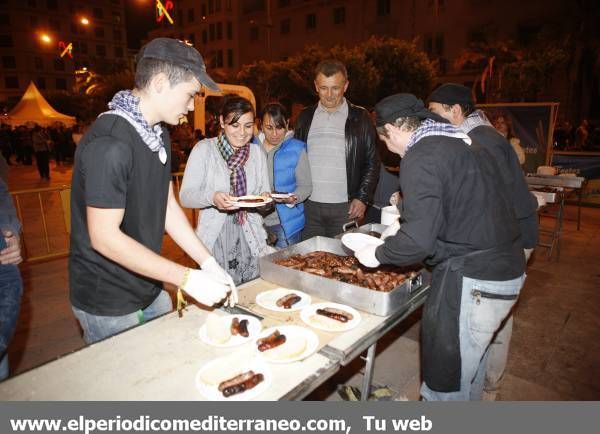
(287, 301)
(239, 327)
(235, 326)
(273, 340)
(336, 314)
(243, 386)
(244, 328)
(244, 376)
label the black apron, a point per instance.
(440, 324)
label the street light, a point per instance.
(45, 38)
(84, 21)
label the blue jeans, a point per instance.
(498, 356)
(480, 319)
(282, 241)
(11, 290)
(98, 327)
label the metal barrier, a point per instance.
(37, 234)
(31, 218)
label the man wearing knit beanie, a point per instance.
(454, 102)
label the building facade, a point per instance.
(231, 33)
(213, 27)
(34, 34)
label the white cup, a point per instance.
(389, 215)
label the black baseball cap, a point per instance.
(452, 93)
(402, 105)
(181, 54)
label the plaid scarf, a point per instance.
(429, 127)
(127, 105)
(235, 159)
(474, 120)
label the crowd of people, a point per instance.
(466, 210)
(28, 143)
(584, 137)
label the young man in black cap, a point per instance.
(454, 218)
(454, 102)
(122, 201)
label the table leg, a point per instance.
(579, 207)
(368, 377)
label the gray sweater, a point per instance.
(206, 173)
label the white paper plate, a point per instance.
(211, 391)
(293, 335)
(356, 241)
(309, 316)
(268, 299)
(254, 328)
(265, 200)
(281, 195)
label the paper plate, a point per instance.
(299, 344)
(356, 241)
(309, 316)
(268, 299)
(217, 370)
(254, 328)
(264, 201)
(281, 195)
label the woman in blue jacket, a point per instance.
(289, 172)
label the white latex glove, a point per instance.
(211, 266)
(366, 256)
(528, 253)
(391, 230)
(203, 286)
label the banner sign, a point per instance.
(531, 124)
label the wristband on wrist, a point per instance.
(181, 303)
(186, 276)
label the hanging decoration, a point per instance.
(162, 11)
(65, 49)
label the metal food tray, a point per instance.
(368, 300)
(364, 229)
(549, 197)
(555, 181)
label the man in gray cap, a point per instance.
(454, 102)
(122, 201)
(455, 219)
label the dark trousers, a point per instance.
(11, 290)
(324, 219)
(42, 159)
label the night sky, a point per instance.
(140, 18)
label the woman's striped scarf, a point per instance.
(235, 159)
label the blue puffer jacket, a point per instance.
(285, 161)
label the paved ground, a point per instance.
(555, 353)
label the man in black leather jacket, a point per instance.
(341, 152)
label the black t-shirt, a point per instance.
(114, 168)
(451, 207)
